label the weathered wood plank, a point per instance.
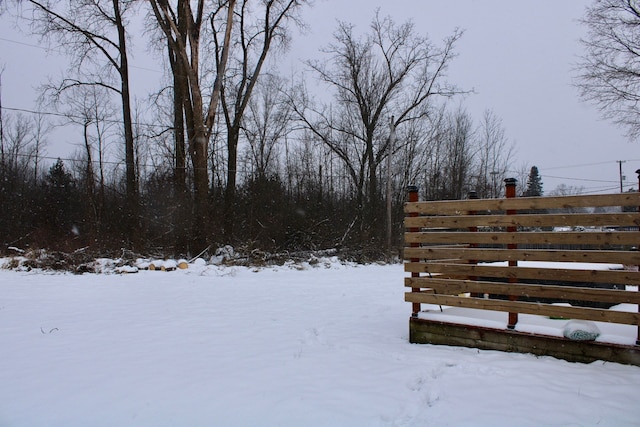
(623, 238)
(451, 256)
(550, 255)
(583, 313)
(459, 286)
(525, 220)
(423, 331)
(522, 203)
(620, 277)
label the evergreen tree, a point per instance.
(534, 183)
(60, 198)
(58, 180)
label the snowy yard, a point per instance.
(229, 346)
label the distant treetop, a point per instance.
(534, 183)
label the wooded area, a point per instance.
(228, 150)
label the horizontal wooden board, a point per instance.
(525, 220)
(548, 274)
(611, 238)
(521, 203)
(583, 313)
(424, 331)
(460, 286)
(484, 254)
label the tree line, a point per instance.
(228, 150)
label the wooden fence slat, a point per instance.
(525, 307)
(548, 274)
(525, 220)
(460, 286)
(522, 203)
(624, 238)
(550, 255)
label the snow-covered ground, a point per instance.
(323, 345)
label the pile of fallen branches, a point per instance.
(86, 260)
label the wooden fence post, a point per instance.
(473, 196)
(414, 197)
(638, 249)
(510, 192)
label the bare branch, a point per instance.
(608, 74)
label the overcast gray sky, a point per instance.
(518, 56)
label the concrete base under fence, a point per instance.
(422, 331)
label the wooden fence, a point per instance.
(469, 254)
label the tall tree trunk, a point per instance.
(199, 122)
(371, 214)
(198, 149)
(90, 179)
(275, 14)
(182, 198)
(132, 226)
(180, 172)
(182, 209)
(230, 191)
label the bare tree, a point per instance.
(260, 31)
(609, 71)
(458, 156)
(94, 35)
(18, 198)
(570, 190)
(20, 148)
(182, 27)
(391, 71)
(520, 174)
(41, 127)
(267, 121)
(96, 115)
(492, 157)
(567, 190)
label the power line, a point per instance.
(610, 182)
(77, 117)
(583, 165)
(104, 162)
(25, 44)
(596, 190)
(60, 52)
(579, 179)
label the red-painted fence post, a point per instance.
(638, 248)
(510, 192)
(414, 197)
(473, 196)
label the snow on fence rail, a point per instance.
(469, 253)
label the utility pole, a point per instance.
(620, 162)
(494, 184)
